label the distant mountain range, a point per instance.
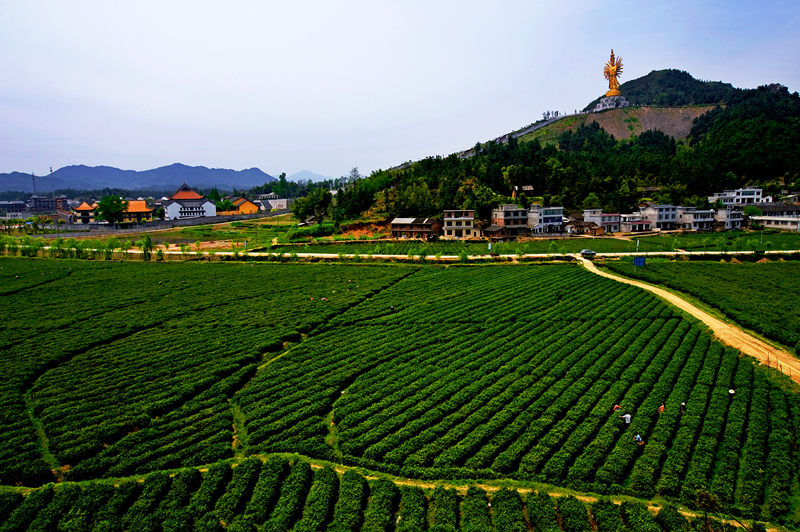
(165, 178)
(305, 175)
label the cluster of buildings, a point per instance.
(183, 203)
(510, 222)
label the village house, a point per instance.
(543, 220)
(663, 217)
(695, 219)
(241, 206)
(740, 196)
(422, 228)
(520, 190)
(778, 216)
(634, 223)
(608, 221)
(508, 222)
(576, 226)
(731, 217)
(459, 224)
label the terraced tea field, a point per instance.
(430, 373)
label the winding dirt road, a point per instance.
(727, 334)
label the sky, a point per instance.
(327, 86)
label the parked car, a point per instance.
(588, 253)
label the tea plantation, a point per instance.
(127, 370)
(761, 296)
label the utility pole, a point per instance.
(33, 176)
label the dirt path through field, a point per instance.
(727, 334)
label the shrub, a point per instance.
(574, 517)
(266, 490)
(238, 491)
(348, 510)
(413, 511)
(444, 508)
(290, 503)
(475, 512)
(214, 483)
(671, 520)
(638, 518)
(319, 504)
(508, 511)
(606, 516)
(383, 498)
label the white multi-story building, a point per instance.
(545, 219)
(731, 216)
(696, 220)
(740, 196)
(778, 216)
(608, 221)
(663, 217)
(459, 224)
(186, 203)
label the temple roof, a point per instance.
(185, 193)
(86, 207)
(137, 206)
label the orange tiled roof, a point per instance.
(86, 207)
(137, 206)
(184, 192)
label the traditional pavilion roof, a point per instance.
(137, 206)
(185, 193)
(86, 207)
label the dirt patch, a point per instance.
(674, 121)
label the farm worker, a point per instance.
(683, 407)
(312, 299)
(661, 408)
(627, 418)
(638, 439)
(731, 391)
(616, 407)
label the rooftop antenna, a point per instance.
(33, 176)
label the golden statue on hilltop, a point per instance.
(611, 71)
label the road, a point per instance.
(726, 333)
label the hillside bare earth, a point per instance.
(623, 123)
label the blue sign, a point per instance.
(638, 261)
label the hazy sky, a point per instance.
(326, 86)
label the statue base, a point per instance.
(612, 102)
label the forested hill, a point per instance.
(674, 88)
(753, 139)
